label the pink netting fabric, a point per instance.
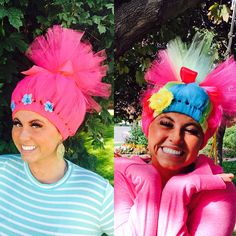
(66, 74)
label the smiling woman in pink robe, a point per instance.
(179, 192)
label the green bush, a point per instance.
(230, 139)
(136, 136)
(230, 167)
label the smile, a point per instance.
(172, 151)
(28, 148)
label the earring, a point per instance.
(60, 150)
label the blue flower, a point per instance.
(13, 105)
(27, 99)
(48, 106)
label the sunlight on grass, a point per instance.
(105, 163)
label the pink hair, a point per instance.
(67, 73)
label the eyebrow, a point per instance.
(32, 121)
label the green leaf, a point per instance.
(139, 77)
(2, 32)
(126, 69)
(214, 7)
(90, 3)
(4, 1)
(3, 12)
(18, 40)
(14, 17)
(41, 19)
(218, 13)
(96, 19)
(110, 6)
(15, 40)
(225, 11)
(101, 28)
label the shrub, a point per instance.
(137, 136)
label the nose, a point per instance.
(176, 137)
(24, 135)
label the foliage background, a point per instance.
(20, 22)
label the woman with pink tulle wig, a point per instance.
(41, 192)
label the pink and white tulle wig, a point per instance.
(183, 79)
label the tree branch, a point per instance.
(134, 19)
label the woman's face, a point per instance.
(34, 136)
(174, 141)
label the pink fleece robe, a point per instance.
(198, 203)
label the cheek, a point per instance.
(46, 144)
(154, 140)
(194, 145)
(52, 139)
(14, 134)
(151, 140)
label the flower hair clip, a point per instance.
(160, 100)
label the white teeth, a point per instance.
(28, 148)
(171, 151)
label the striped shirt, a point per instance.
(81, 203)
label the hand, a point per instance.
(227, 177)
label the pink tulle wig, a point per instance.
(60, 86)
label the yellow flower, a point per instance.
(160, 100)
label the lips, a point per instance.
(172, 151)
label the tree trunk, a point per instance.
(135, 18)
(219, 138)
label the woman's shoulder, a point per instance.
(88, 175)
(5, 158)
(123, 162)
(135, 167)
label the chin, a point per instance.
(175, 167)
(172, 168)
(26, 159)
(180, 169)
(29, 159)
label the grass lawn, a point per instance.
(105, 163)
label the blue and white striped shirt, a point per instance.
(81, 203)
